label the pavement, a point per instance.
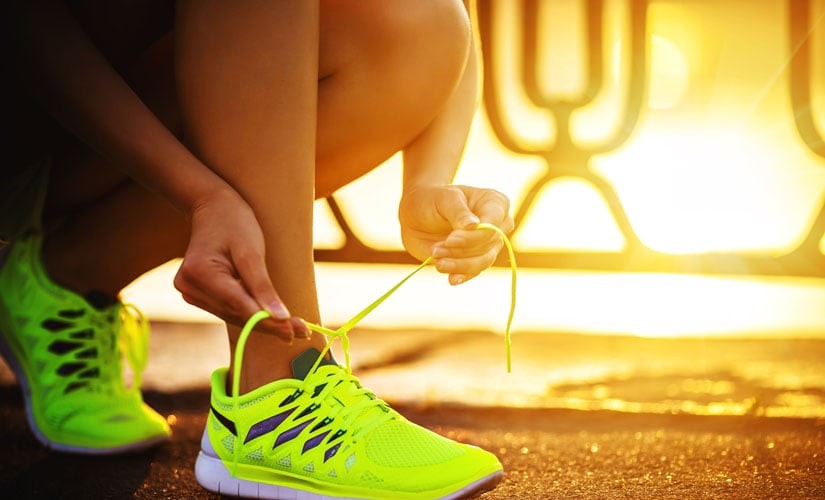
(579, 417)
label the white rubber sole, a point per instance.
(213, 475)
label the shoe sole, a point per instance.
(22, 379)
(213, 475)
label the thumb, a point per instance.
(455, 209)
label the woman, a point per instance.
(206, 129)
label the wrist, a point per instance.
(420, 185)
(209, 195)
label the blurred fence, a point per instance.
(563, 157)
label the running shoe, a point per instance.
(322, 435)
(66, 352)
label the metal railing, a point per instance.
(563, 158)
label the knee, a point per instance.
(424, 44)
(428, 32)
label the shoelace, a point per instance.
(129, 339)
(133, 341)
(343, 386)
(343, 331)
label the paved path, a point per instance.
(546, 453)
(555, 451)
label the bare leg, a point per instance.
(269, 154)
(97, 248)
(386, 70)
(247, 80)
(111, 229)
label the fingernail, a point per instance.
(471, 222)
(457, 279)
(279, 311)
(440, 252)
(455, 241)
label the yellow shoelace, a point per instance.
(343, 331)
(133, 341)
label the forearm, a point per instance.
(433, 157)
(77, 85)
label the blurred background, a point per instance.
(666, 166)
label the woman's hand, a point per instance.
(440, 221)
(224, 271)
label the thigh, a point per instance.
(387, 67)
(80, 176)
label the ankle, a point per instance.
(268, 358)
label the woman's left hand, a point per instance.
(440, 221)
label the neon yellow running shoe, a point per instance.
(322, 435)
(66, 354)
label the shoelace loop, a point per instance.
(343, 331)
(115, 333)
(351, 413)
(133, 341)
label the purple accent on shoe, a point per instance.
(312, 443)
(331, 452)
(291, 433)
(267, 425)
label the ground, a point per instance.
(549, 449)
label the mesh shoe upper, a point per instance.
(67, 355)
(328, 435)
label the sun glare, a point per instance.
(570, 215)
(719, 191)
(669, 72)
(714, 164)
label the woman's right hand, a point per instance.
(224, 270)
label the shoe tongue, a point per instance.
(302, 363)
(99, 300)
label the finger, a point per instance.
(468, 266)
(207, 302)
(223, 296)
(452, 205)
(476, 241)
(493, 207)
(252, 272)
(300, 328)
(472, 248)
(457, 279)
